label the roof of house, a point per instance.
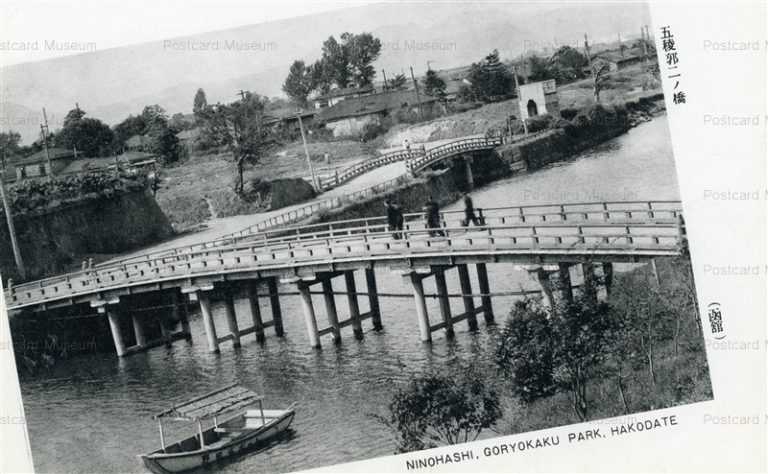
(41, 157)
(371, 104)
(136, 140)
(344, 91)
(90, 164)
(190, 134)
(616, 57)
(286, 114)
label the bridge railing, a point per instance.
(363, 167)
(279, 221)
(448, 149)
(607, 211)
(578, 235)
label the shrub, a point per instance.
(438, 409)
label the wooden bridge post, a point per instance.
(113, 315)
(229, 311)
(445, 304)
(373, 298)
(546, 287)
(210, 327)
(309, 315)
(181, 300)
(566, 287)
(467, 159)
(608, 278)
(274, 302)
(469, 302)
(421, 307)
(354, 307)
(138, 330)
(485, 289)
(330, 309)
(253, 304)
(590, 290)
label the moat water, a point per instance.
(92, 413)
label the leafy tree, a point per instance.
(439, 409)
(240, 127)
(490, 78)
(162, 138)
(398, 81)
(133, 125)
(600, 70)
(200, 102)
(91, 137)
(299, 83)
(9, 141)
(540, 70)
(335, 63)
(544, 351)
(434, 85)
(362, 50)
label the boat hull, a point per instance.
(164, 463)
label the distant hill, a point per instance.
(113, 83)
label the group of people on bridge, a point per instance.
(396, 221)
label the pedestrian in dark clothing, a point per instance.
(432, 216)
(469, 212)
(394, 219)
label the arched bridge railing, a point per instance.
(456, 147)
(632, 230)
(363, 167)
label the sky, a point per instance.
(28, 27)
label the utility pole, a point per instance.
(586, 50)
(621, 48)
(384, 73)
(44, 132)
(418, 99)
(315, 184)
(12, 230)
(519, 103)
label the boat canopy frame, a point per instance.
(211, 404)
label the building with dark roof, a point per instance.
(349, 117)
(337, 95)
(36, 165)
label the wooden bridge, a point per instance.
(549, 238)
(416, 158)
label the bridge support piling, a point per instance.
(229, 311)
(542, 276)
(210, 327)
(590, 289)
(468, 171)
(655, 272)
(564, 277)
(253, 304)
(113, 315)
(330, 310)
(373, 298)
(138, 330)
(469, 302)
(309, 315)
(354, 307)
(274, 302)
(421, 307)
(608, 278)
(485, 289)
(179, 302)
(445, 305)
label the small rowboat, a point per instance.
(228, 437)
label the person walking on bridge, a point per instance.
(469, 212)
(432, 216)
(394, 219)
